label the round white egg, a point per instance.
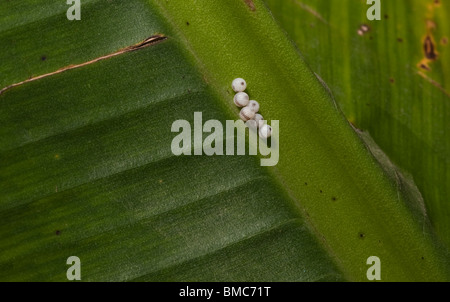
(254, 105)
(239, 85)
(241, 99)
(265, 131)
(246, 114)
(252, 124)
(259, 120)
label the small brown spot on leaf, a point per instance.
(58, 232)
(431, 24)
(424, 66)
(444, 41)
(400, 40)
(333, 198)
(250, 4)
(187, 23)
(392, 80)
(429, 48)
(43, 58)
(361, 235)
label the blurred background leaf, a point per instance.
(392, 81)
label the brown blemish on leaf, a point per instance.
(444, 41)
(429, 45)
(429, 49)
(431, 25)
(424, 65)
(250, 5)
(147, 42)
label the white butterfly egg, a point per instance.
(259, 120)
(256, 122)
(239, 85)
(241, 99)
(252, 124)
(265, 131)
(254, 105)
(246, 114)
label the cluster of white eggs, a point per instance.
(249, 112)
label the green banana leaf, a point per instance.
(391, 81)
(87, 170)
